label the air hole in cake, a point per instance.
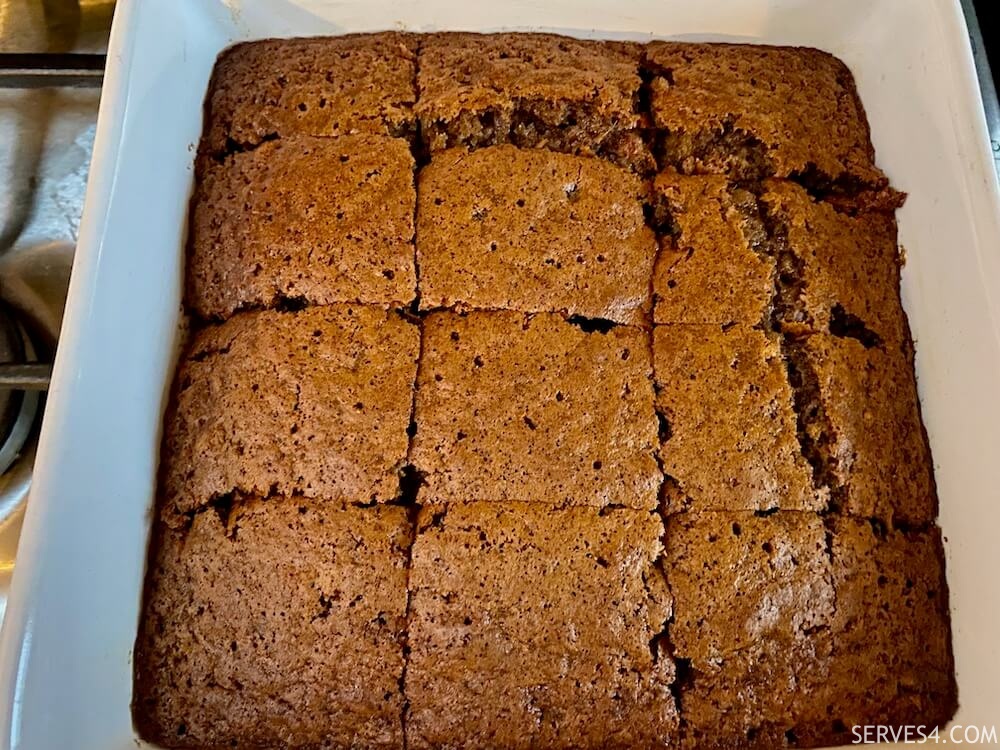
(287, 303)
(592, 325)
(410, 481)
(845, 325)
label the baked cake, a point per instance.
(313, 403)
(534, 627)
(279, 610)
(302, 219)
(540, 392)
(529, 229)
(359, 83)
(519, 407)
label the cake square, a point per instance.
(532, 230)
(275, 623)
(742, 578)
(880, 461)
(358, 83)
(315, 403)
(532, 90)
(753, 602)
(715, 264)
(729, 436)
(318, 220)
(893, 663)
(843, 269)
(514, 407)
(535, 627)
(757, 111)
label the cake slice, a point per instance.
(304, 220)
(892, 664)
(537, 90)
(275, 623)
(879, 461)
(358, 83)
(715, 265)
(729, 434)
(755, 111)
(314, 403)
(532, 230)
(753, 601)
(839, 272)
(513, 407)
(534, 627)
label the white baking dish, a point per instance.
(65, 655)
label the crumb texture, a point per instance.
(756, 111)
(318, 220)
(314, 403)
(275, 624)
(514, 407)
(531, 627)
(532, 90)
(540, 392)
(527, 229)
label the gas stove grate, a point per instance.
(48, 69)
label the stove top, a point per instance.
(51, 60)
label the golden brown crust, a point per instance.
(321, 220)
(315, 402)
(524, 436)
(730, 436)
(280, 625)
(792, 630)
(532, 627)
(532, 230)
(358, 83)
(756, 111)
(515, 407)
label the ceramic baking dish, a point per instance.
(65, 654)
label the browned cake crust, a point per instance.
(537, 442)
(845, 269)
(789, 632)
(278, 625)
(715, 265)
(514, 407)
(359, 83)
(729, 429)
(315, 403)
(532, 230)
(892, 641)
(321, 220)
(533, 627)
(757, 111)
(751, 596)
(531, 90)
(880, 461)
